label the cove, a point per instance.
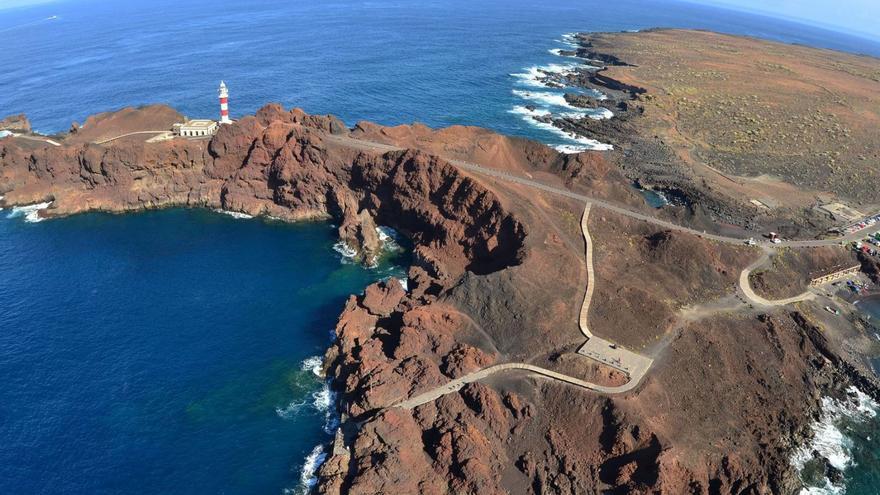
(167, 351)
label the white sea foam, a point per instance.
(587, 145)
(314, 364)
(545, 97)
(558, 53)
(345, 250)
(404, 282)
(313, 461)
(235, 214)
(828, 439)
(31, 213)
(569, 39)
(577, 144)
(601, 114)
(389, 238)
(538, 112)
(5, 133)
(532, 75)
(323, 400)
(291, 410)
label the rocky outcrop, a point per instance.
(277, 164)
(18, 123)
(494, 278)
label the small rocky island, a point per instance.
(713, 358)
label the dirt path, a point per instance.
(750, 295)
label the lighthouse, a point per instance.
(224, 104)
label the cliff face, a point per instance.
(498, 276)
(277, 164)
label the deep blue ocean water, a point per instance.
(165, 352)
(150, 352)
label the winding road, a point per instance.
(634, 365)
(373, 146)
(750, 295)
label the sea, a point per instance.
(178, 351)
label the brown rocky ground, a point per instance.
(723, 120)
(646, 276)
(790, 270)
(498, 276)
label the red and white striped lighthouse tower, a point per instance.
(224, 104)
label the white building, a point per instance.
(196, 128)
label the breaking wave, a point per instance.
(831, 443)
(538, 112)
(235, 214)
(31, 213)
(569, 39)
(390, 238)
(319, 399)
(545, 97)
(533, 75)
(307, 477)
(348, 253)
(314, 364)
(558, 53)
(576, 144)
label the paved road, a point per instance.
(750, 295)
(457, 384)
(591, 274)
(635, 366)
(479, 169)
(41, 139)
(114, 138)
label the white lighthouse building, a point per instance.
(224, 104)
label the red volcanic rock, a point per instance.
(275, 164)
(381, 298)
(464, 359)
(127, 120)
(474, 284)
(18, 123)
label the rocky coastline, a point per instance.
(498, 276)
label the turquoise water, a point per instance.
(168, 352)
(165, 352)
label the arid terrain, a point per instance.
(756, 133)
(555, 336)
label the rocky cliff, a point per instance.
(498, 276)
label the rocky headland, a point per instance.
(498, 276)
